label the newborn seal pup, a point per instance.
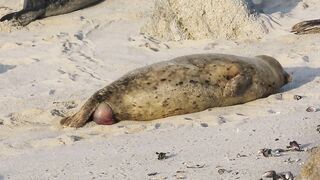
(36, 9)
(182, 85)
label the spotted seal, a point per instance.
(182, 85)
(36, 9)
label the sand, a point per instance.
(49, 68)
(196, 19)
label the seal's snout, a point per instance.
(103, 115)
(287, 77)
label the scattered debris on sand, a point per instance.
(278, 176)
(162, 155)
(297, 97)
(293, 146)
(312, 109)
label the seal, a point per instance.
(37, 9)
(307, 27)
(182, 85)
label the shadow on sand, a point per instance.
(272, 6)
(4, 68)
(1, 177)
(301, 76)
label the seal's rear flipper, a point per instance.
(80, 118)
(8, 17)
(23, 17)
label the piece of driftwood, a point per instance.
(307, 27)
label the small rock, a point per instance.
(271, 152)
(162, 155)
(269, 174)
(281, 176)
(222, 171)
(241, 155)
(194, 166)
(52, 91)
(153, 174)
(297, 97)
(305, 58)
(204, 124)
(311, 109)
(294, 146)
(157, 125)
(278, 97)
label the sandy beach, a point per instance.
(50, 67)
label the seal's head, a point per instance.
(278, 70)
(103, 115)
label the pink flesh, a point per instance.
(103, 115)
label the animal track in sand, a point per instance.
(148, 42)
(77, 48)
(28, 117)
(57, 141)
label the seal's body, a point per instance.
(183, 85)
(36, 9)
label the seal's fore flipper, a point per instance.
(237, 85)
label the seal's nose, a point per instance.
(287, 77)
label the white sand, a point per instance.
(53, 65)
(198, 19)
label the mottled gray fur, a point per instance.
(36, 9)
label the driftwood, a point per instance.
(307, 27)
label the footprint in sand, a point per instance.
(144, 41)
(58, 141)
(60, 108)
